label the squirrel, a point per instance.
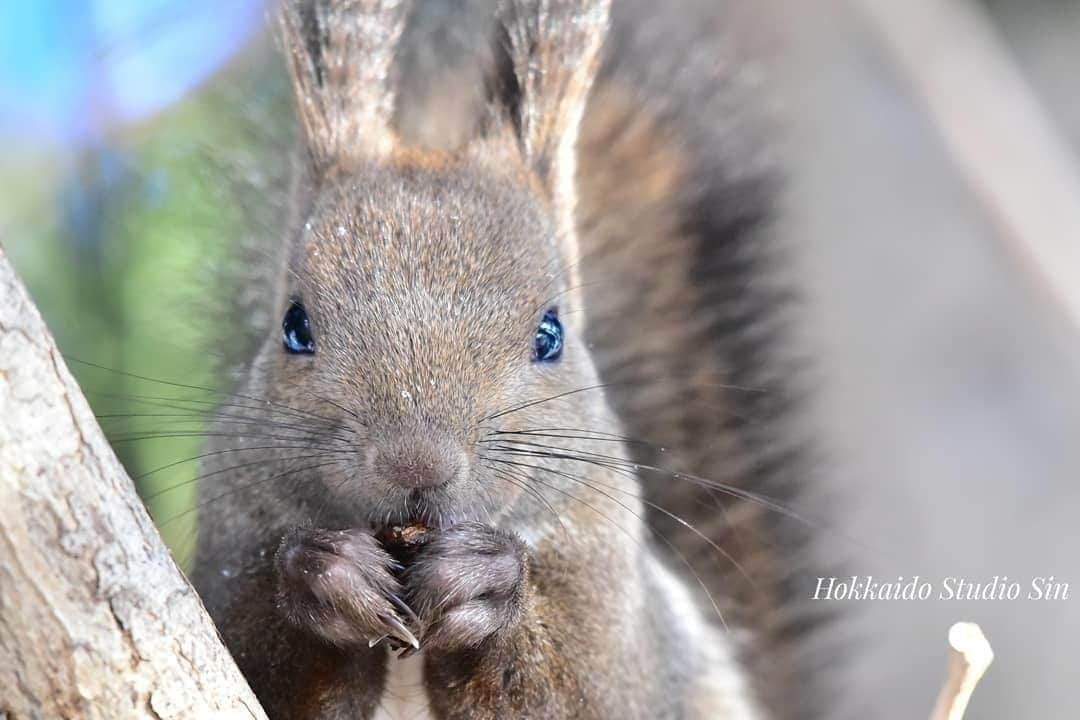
(502, 455)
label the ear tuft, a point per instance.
(554, 49)
(340, 55)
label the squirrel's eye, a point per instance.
(549, 337)
(296, 330)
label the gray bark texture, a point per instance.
(96, 620)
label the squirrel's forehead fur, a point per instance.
(444, 230)
(452, 248)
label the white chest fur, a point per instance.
(404, 696)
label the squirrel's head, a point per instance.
(431, 301)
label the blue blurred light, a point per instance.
(71, 68)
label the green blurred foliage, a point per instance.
(123, 246)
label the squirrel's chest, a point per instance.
(404, 696)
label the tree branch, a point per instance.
(96, 621)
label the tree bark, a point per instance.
(96, 620)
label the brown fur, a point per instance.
(340, 57)
(633, 175)
(424, 273)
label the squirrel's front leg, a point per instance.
(506, 635)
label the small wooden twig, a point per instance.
(969, 657)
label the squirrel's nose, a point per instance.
(418, 462)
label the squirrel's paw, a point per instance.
(340, 585)
(467, 584)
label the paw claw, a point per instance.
(402, 608)
(399, 631)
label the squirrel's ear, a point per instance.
(340, 54)
(552, 50)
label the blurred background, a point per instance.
(139, 136)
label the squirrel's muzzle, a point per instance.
(418, 461)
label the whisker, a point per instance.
(166, 402)
(161, 491)
(167, 434)
(667, 513)
(216, 421)
(653, 531)
(619, 383)
(199, 388)
(607, 460)
(532, 403)
(184, 554)
(723, 488)
(562, 433)
(246, 486)
(522, 482)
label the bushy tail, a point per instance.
(683, 274)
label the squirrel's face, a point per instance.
(427, 310)
(428, 305)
